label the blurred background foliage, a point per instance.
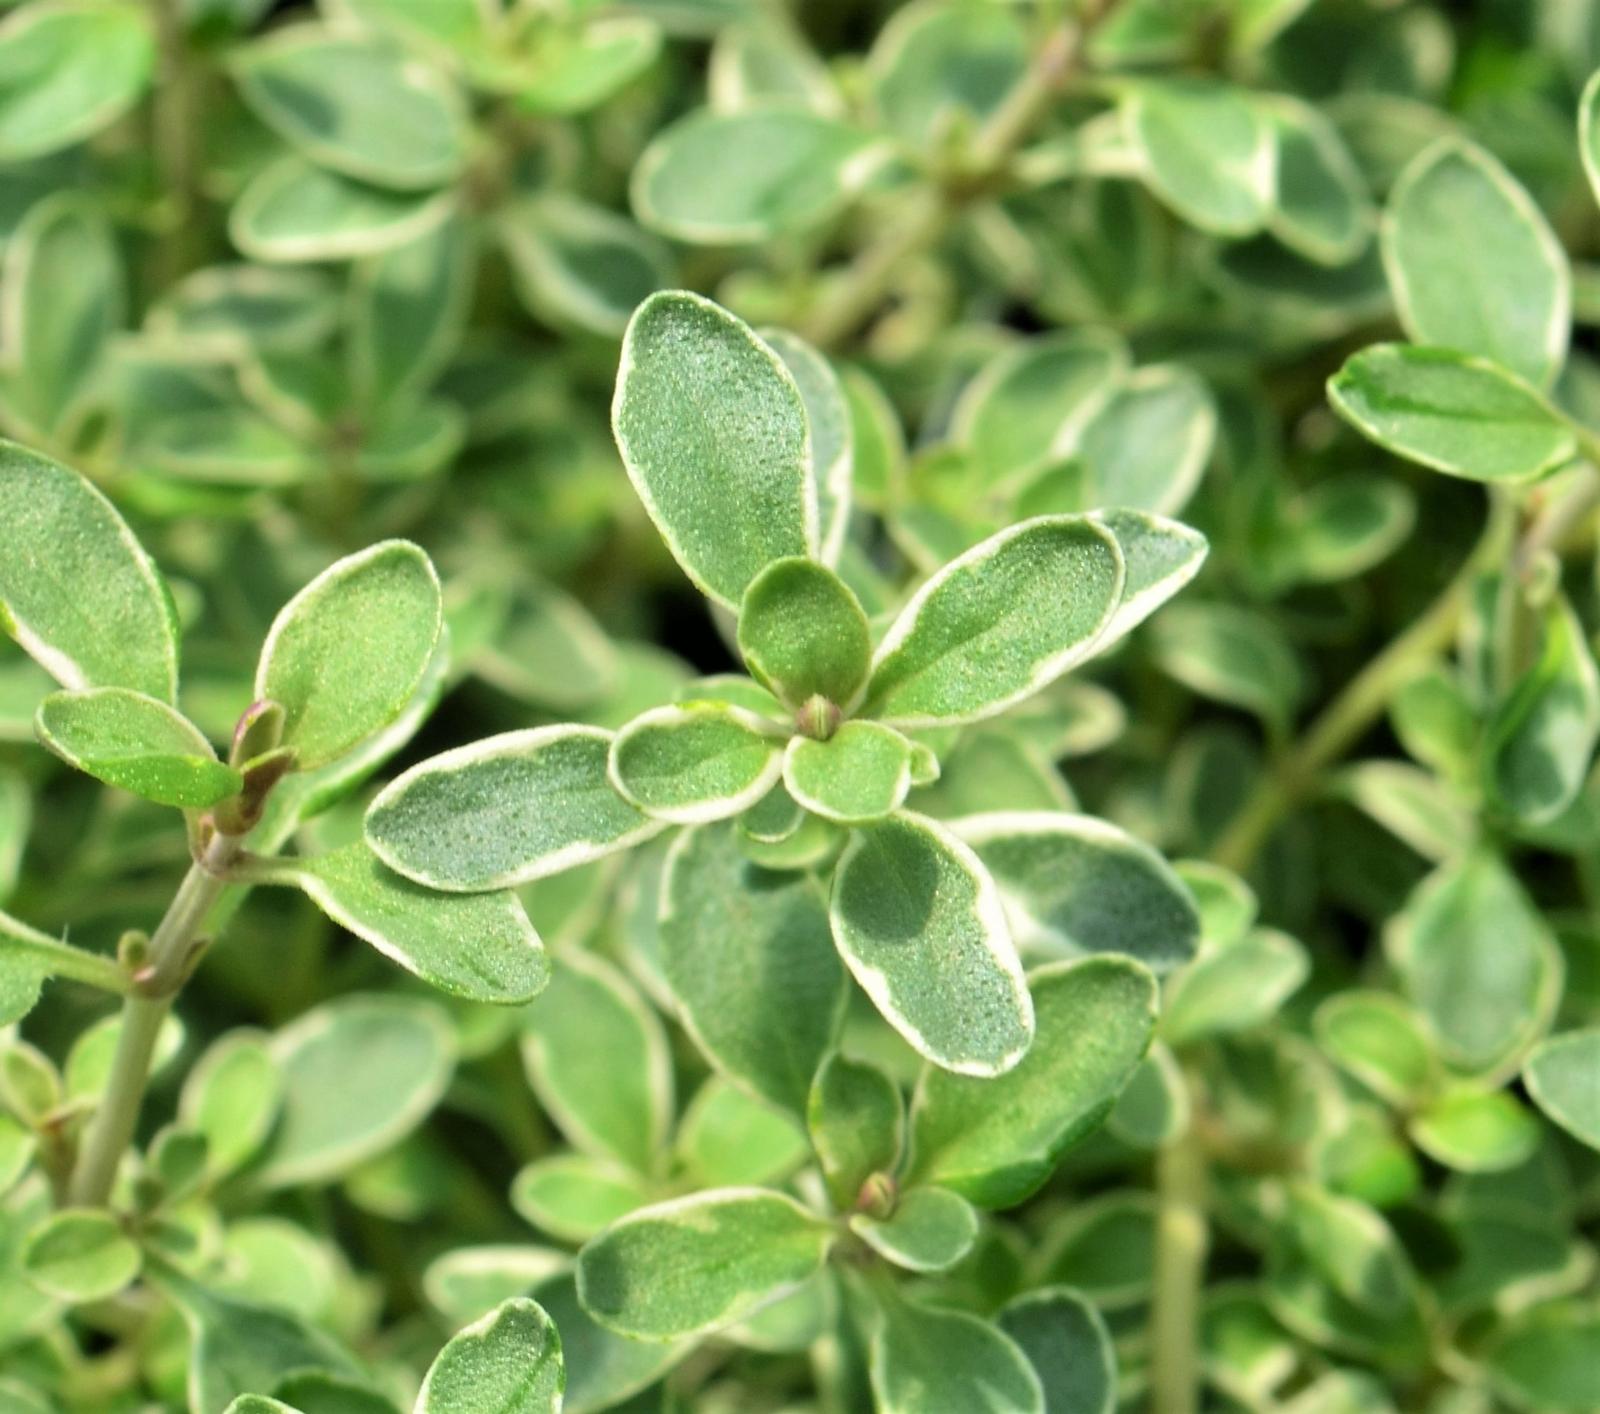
(284, 280)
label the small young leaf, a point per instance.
(575, 1197)
(1541, 740)
(996, 1141)
(232, 1097)
(930, 1229)
(929, 1361)
(1233, 988)
(1478, 960)
(857, 1123)
(919, 922)
(79, 1255)
(751, 964)
(358, 106)
(1380, 1041)
(713, 432)
(697, 1264)
(359, 1074)
(1073, 884)
(1069, 1347)
(76, 589)
(480, 947)
(1458, 414)
(1505, 294)
(71, 69)
(696, 763)
(1476, 1131)
(137, 743)
(740, 178)
(859, 774)
(1561, 1076)
(505, 811)
(998, 623)
(345, 655)
(508, 1362)
(804, 634)
(599, 1062)
(1206, 150)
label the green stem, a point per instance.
(926, 214)
(1181, 1243)
(176, 139)
(1351, 714)
(60, 959)
(171, 952)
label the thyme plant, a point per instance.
(883, 707)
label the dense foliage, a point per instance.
(946, 651)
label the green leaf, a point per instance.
(998, 623)
(1320, 207)
(406, 310)
(930, 1229)
(466, 1282)
(602, 1369)
(80, 1255)
(1589, 131)
(832, 436)
(1380, 1041)
(1069, 1347)
(599, 1062)
(1234, 987)
(928, 1361)
(580, 264)
(508, 1362)
(574, 1196)
(76, 589)
(1541, 739)
(1072, 884)
(697, 1264)
(939, 68)
(696, 763)
(1159, 558)
(1206, 150)
(239, 1346)
(1478, 960)
(235, 308)
(1458, 414)
(347, 653)
(136, 743)
(919, 923)
(1506, 293)
(751, 964)
(232, 1097)
(713, 432)
(729, 1138)
(65, 299)
(995, 1142)
(803, 633)
(70, 69)
(358, 106)
(1352, 1249)
(1476, 1131)
(859, 774)
(1029, 403)
(359, 1074)
(739, 178)
(481, 947)
(1232, 654)
(1543, 1358)
(1144, 448)
(1343, 527)
(294, 211)
(504, 811)
(1561, 1076)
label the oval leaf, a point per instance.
(803, 633)
(692, 764)
(859, 774)
(508, 1362)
